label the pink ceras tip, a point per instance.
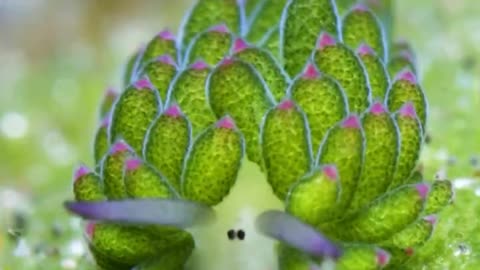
(143, 83)
(173, 111)
(377, 108)
(432, 219)
(111, 92)
(330, 171)
(199, 65)
(81, 171)
(132, 164)
(408, 76)
(239, 45)
(226, 61)
(286, 104)
(90, 229)
(311, 72)
(422, 190)
(408, 110)
(105, 121)
(351, 122)
(221, 28)
(382, 257)
(166, 59)
(226, 122)
(360, 7)
(325, 40)
(364, 49)
(166, 35)
(118, 147)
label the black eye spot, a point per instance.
(231, 234)
(241, 234)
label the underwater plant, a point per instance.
(325, 105)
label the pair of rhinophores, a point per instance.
(327, 108)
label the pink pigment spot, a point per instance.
(408, 110)
(118, 147)
(173, 111)
(166, 59)
(409, 251)
(132, 164)
(351, 122)
(221, 28)
(90, 229)
(364, 49)
(111, 92)
(325, 40)
(143, 83)
(330, 171)
(105, 121)
(81, 171)
(227, 61)
(432, 219)
(377, 108)
(360, 7)
(239, 45)
(422, 190)
(382, 257)
(408, 76)
(166, 35)
(226, 122)
(286, 104)
(310, 72)
(199, 65)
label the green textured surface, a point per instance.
(414, 235)
(112, 174)
(323, 101)
(361, 26)
(389, 214)
(88, 187)
(188, 91)
(411, 139)
(207, 13)
(286, 149)
(145, 182)
(212, 165)
(268, 15)
(160, 74)
(210, 46)
(381, 153)
(377, 75)
(313, 199)
(131, 67)
(358, 257)
(234, 86)
(271, 42)
(107, 103)
(166, 146)
(344, 147)
(158, 46)
(301, 24)
(101, 144)
(269, 69)
(402, 91)
(342, 64)
(440, 196)
(132, 115)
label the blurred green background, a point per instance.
(57, 57)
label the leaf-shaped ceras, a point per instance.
(340, 62)
(213, 162)
(302, 20)
(377, 74)
(235, 88)
(210, 46)
(133, 113)
(160, 71)
(286, 147)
